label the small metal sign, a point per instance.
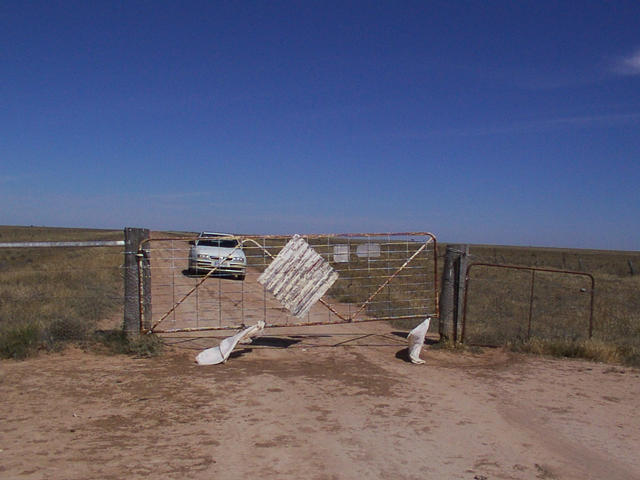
(341, 253)
(368, 250)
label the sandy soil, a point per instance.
(317, 411)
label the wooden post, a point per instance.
(133, 280)
(452, 292)
(447, 294)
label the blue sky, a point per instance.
(514, 122)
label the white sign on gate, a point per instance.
(298, 277)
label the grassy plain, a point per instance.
(52, 296)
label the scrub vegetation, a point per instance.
(51, 297)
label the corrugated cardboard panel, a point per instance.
(298, 277)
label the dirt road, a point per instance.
(318, 412)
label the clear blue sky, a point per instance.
(505, 122)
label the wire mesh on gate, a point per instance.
(380, 277)
(505, 303)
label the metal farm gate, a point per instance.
(358, 277)
(516, 303)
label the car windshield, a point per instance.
(211, 242)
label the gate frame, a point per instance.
(144, 278)
(533, 271)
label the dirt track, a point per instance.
(313, 411)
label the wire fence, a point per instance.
(64, 289)
(509, 305)
(533, 302)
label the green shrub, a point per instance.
(20, 341)
(146, 346)
(117, 342)
(67, 330)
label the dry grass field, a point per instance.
(52, 295)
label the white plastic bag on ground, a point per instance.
(416, 340)
(220, 353)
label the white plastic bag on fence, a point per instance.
(416, 340)
(220, 353)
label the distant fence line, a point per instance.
(105, 243)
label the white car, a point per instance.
(219, 251)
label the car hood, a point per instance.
(220, 252)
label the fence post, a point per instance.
(461, 271)
(446, 296)
(452, 293)
(132, 304)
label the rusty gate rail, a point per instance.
(243, 240)
(533, 271)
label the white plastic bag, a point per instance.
(220, 353)
(416, 340)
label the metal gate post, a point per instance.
(461, 270)
(136, 305)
